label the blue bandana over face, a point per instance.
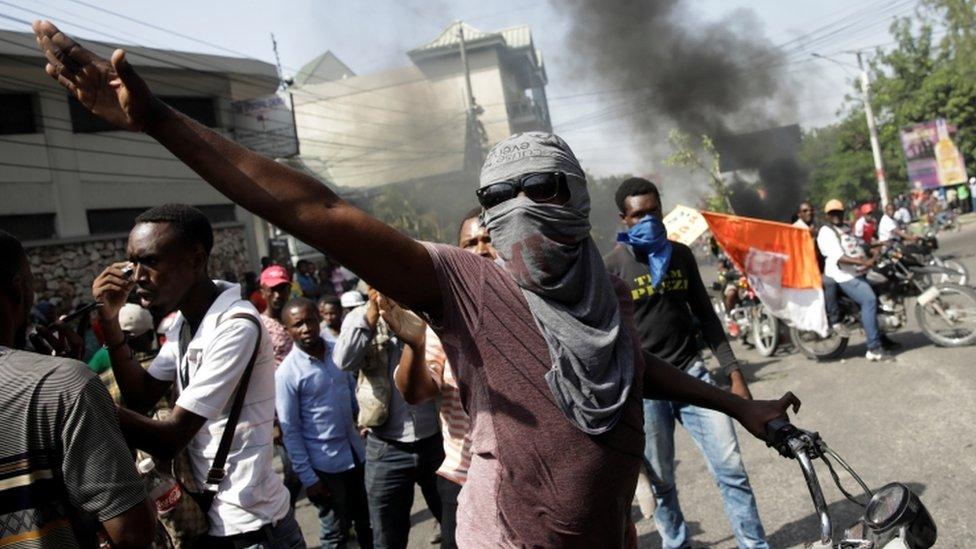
(649, 237)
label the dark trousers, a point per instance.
(448, 491)
(392, 469)
(346, 507)
(292, 482)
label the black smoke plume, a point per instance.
(677, 70)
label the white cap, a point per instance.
(145, 466)
(135, 320)
(351, 299)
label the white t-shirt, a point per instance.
(886, 228)
(903, 216)
(833, 246)
(252, 494)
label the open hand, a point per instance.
(755, 414)
(109, 89)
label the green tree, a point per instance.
(702, 158)
(914, 81)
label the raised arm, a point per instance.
(355, 337)
(413, 378)
(396, 265)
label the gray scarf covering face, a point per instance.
(547, 249)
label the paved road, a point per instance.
(911, 420)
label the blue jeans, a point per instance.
(714, 434)
(392, 468)
(860, 291)
(830, 299)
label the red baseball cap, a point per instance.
(274, 275)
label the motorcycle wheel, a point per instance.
(959, 275)
(816, 347)
(949, 320)
(765, 332)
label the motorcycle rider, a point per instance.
(805, 219)
(865, 227)
(846, 262)
(889, 228)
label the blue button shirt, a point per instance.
(316, 405)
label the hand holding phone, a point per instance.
(112, 287)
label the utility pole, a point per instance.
(467, 69)
(879, 170)
(474, 138)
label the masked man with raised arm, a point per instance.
(548, 363)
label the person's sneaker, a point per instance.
(877, 355)
(841, 329)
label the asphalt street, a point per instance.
(910, 420)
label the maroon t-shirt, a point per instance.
(556, 486)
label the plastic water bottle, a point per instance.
(163, 489)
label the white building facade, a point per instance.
(409, 124)
(72, 185)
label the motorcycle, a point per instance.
(946, 313)
(948, 269)
(894, 516)
(749, 320)
(946, 220)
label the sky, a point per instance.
(372, 35)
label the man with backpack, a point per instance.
(846, 261)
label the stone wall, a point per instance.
(64, 271)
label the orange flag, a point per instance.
(780, 263)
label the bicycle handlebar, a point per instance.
(792, 442)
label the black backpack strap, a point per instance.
(217, 473)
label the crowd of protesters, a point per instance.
(512, 377)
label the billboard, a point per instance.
(932, 157)
(266, 125)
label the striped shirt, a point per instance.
(280, 339)
(64, 465)
(455, 424)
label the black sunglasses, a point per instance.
(539, 187)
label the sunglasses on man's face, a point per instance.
(538, 187)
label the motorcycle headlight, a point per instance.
(895, 506)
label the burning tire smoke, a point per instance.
(715, 78)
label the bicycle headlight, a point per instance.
(895, 506)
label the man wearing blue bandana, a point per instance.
(671, 306)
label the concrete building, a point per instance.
(71, 185)
(410, 123)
